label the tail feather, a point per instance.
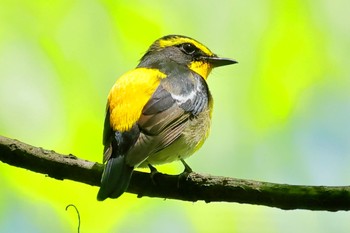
(115, 178)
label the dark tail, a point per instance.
(115, 178)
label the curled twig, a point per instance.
(76, 209)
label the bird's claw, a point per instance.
(153, 172)
(185, 173)
(187, 169)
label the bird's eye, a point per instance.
(188, 48)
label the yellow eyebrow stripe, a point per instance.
(181, 40)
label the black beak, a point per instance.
(220, 61)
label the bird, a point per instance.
(158, 112)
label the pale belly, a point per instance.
(191, 139)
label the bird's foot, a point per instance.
(187, 169)
(183, 176)
(153, 172)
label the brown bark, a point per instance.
(187, 187)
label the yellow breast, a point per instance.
(130, 94)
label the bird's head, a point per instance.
(185, 51)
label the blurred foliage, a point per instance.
(281, 114)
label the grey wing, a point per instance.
(163, 120)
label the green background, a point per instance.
(281, 114)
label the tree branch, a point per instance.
(187, 187)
